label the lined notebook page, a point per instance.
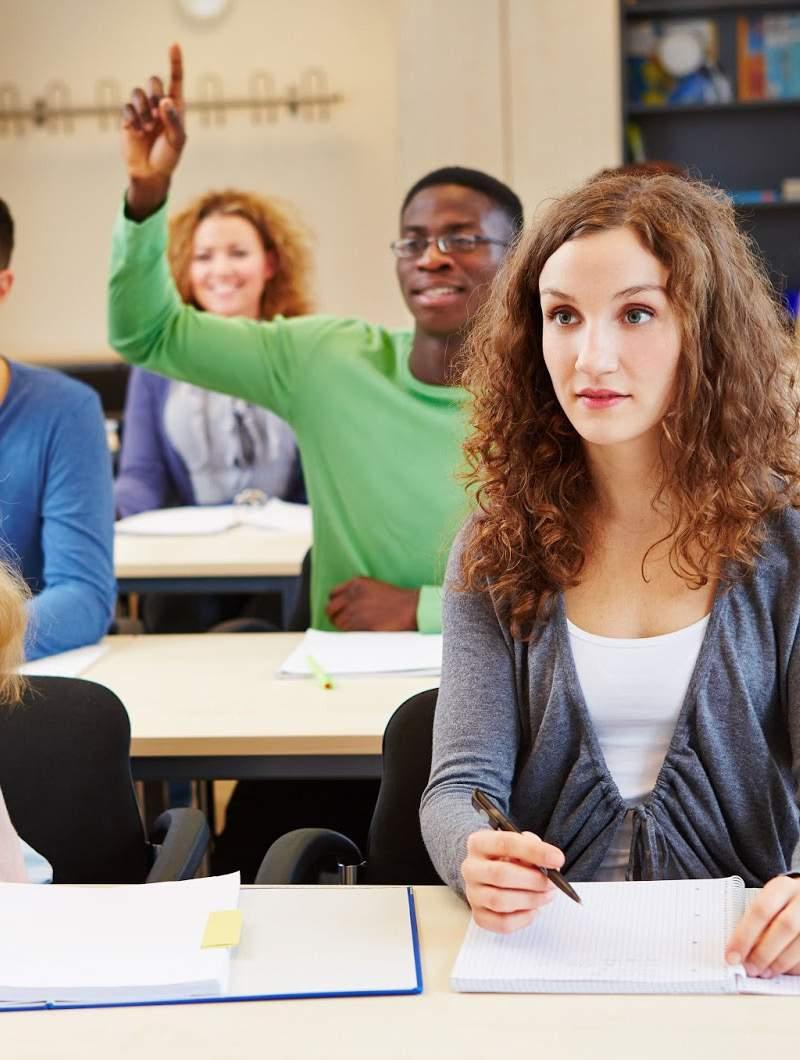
(649, 937)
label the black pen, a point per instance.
(498, 820)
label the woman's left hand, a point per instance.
(767, 938)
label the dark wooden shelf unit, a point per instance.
(738, 145)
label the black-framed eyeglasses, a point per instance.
(415, 246)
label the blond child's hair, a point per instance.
(14, 594)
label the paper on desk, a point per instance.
(781, 984)
(198, 520)
(126, 943)
(66, 663)
(203, 520)
(278, 515)
(352, 654)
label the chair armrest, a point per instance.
(301, 855)
(179, 839)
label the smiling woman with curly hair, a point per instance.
(620, 672)
(235, 254)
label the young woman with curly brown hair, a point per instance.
(235, 254)
(620, 672)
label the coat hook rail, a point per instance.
(54, 110)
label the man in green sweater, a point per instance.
(378, 422)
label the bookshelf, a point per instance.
(741, 145)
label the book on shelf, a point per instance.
(768, 57)
(675, 62)
(748, 196)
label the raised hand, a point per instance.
(153, 137)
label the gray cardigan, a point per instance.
(511, 719)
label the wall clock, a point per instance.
(204, 10)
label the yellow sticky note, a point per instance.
(223, 928)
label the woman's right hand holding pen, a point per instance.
(503, 886)
(153, 137)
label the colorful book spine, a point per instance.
(768, 56)
(750, 65)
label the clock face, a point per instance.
(203, 10)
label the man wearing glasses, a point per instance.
(376, 415)
(377, 418)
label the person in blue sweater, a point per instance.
(56, 507)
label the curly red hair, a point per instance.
(280, 231)
(729, 441)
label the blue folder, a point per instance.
(408, 980)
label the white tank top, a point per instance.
(634, 690)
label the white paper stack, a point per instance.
(98, 945)
(202, 520)
(65, 663)
(278, 515)
(359, 654)
(168, 522)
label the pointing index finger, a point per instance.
(176, 75)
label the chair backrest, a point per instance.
(65, 775)
(395, 850)
(299, 619)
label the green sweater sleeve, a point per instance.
(429, 609)
(150, 326)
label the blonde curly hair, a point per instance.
(14, 594)
(289, 291)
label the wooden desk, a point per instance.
(242, 559)
(210, 706)
(437, 1025)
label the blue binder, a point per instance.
(409, 979)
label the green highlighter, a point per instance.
(323, 679)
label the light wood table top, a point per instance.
(241, 552)
(436, 1025)
(218, 695)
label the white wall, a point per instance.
(566, 118)
(526, 89)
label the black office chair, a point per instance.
(66, 778)
(299, 619)
(395, 850)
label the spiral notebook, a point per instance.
(663, 937)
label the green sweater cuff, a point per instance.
(429, 609)
(141, 239)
